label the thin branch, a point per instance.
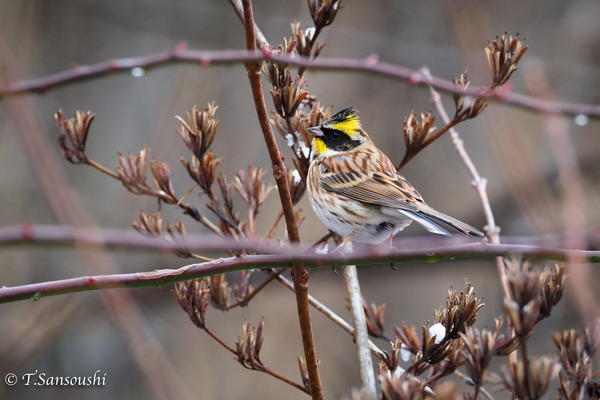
(470, 382)
(244, 302)
(366, 256)
(265, 369)
(370, 64)
(261, 40)
(329, 313)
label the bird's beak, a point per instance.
(316, 130)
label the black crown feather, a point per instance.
(345, 115)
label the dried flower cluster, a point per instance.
(466, 107)
(193, 298)
(73, 134)
(529, 379)
(503, 55)
(323, 12)
(479, 348)
(248, 348)
(532, 295)
(417, 130)
(439, 348)
(576, 355)
(375, 318)
(453, 342)
(198, 134)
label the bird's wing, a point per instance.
(381, 185)
(376, 186)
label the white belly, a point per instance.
(345, 216)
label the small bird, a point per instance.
(354, 188)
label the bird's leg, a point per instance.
(344, 243)
(392, 247)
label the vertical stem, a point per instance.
(299, 273)
(526, 371)
(361, 335)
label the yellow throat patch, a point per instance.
(318, 145)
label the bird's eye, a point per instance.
(335, 134)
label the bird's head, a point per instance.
(340, 133)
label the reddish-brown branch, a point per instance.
(299, 272)
(371, 64)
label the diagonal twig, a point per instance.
(479, 183)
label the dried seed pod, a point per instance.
(73, 134)
(417, 130)
(503, 55)
(193, 298)
(162, 178)
(132, 171)
(251, 187)
(199, 131)
(248, 348)
(323, 12)
(375, 318)
(529, 380)
(150, 224)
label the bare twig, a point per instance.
(370, 64)
(366, 256)
(479, 183)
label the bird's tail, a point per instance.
(437, 222)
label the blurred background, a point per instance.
(141, 339)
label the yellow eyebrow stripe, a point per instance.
(350, 126)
